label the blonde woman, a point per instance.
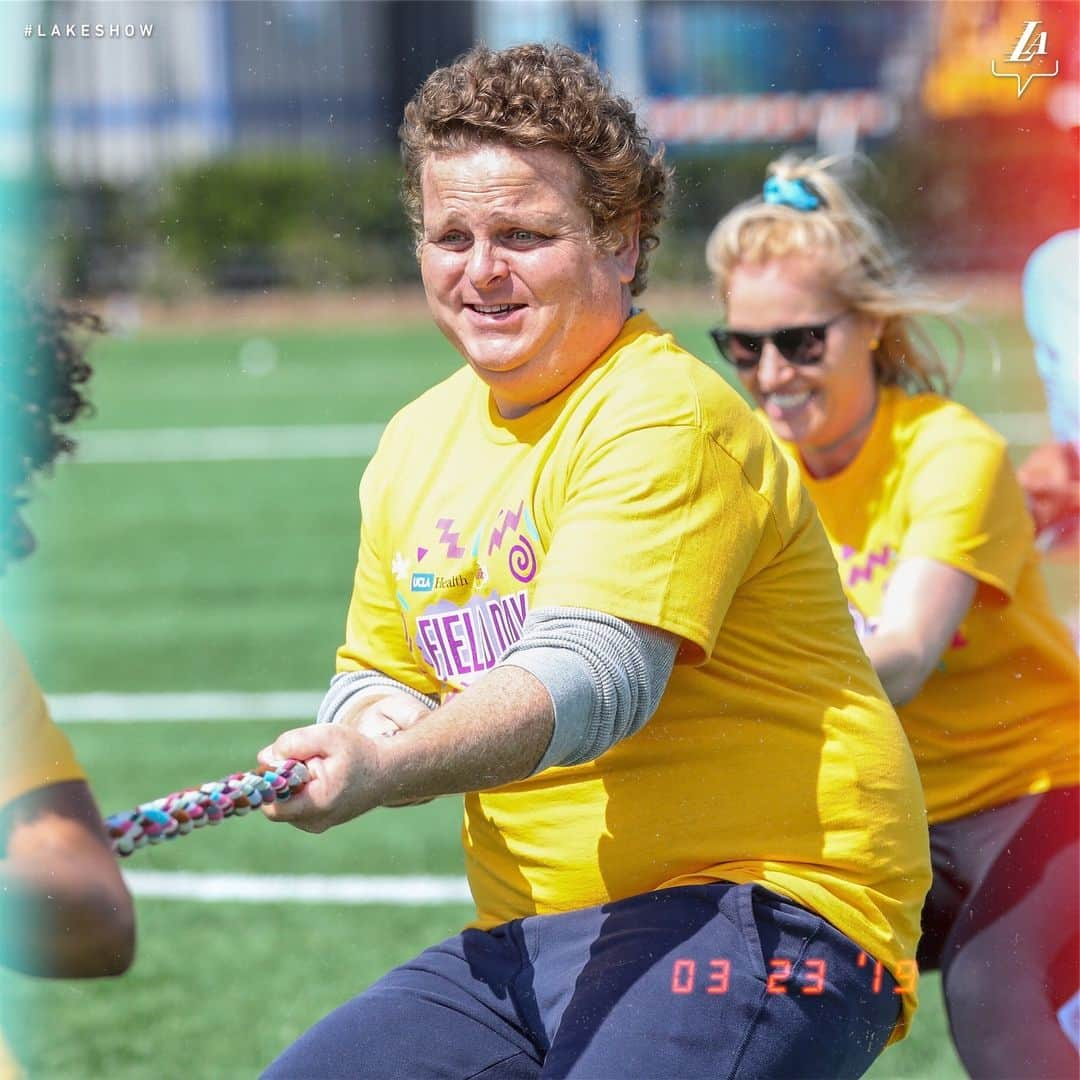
(936, 554)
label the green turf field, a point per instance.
(234, 575)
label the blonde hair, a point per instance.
(862, 267)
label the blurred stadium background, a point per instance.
(223, 188)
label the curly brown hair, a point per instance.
(42, 369)
(537, 95)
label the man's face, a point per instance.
(512, 274)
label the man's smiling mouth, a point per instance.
(494, 309)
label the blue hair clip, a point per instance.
(798, 194)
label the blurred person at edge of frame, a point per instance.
(1051, 474)
(64, 909)
(936, 553)
(592, 595)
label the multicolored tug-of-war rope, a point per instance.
(184, 811)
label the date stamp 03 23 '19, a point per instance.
(687, 976)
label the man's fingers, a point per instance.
(403, 710)
(374, 725)
(308, 744)
(304, 743)
(386, 717)
(295, 811)
(341, 766)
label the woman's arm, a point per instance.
(924, 604)
(65, 911)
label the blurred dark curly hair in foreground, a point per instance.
(42, 371)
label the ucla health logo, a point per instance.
(422, 582)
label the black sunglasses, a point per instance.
(796, 344)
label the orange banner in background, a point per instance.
(1000, 56)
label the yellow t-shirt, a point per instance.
(998, 719)
(38, 755)
(646, 490)
(10, 1069)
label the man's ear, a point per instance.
(628, 251)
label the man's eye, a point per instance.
(524, 236)
(455, 238)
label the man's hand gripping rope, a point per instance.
(328, 766)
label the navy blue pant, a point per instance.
(701, 981)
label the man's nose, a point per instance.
(487, 264)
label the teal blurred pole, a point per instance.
(24, 103)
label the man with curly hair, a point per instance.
(64, 909)
(591, 596)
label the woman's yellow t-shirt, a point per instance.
(998, 719)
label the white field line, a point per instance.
(171, 445)
(414, 889)
(181, 445)
(212, 705)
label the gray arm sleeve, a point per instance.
(347, 684)
(605, 677)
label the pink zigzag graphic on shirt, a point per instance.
(450, 539)
(510, 524)
(420, 553)
(873, 560)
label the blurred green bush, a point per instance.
(301, 221)
(236, 223)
